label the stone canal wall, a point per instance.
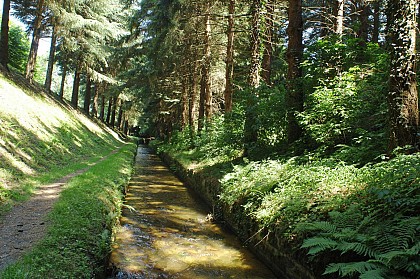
(286, 261)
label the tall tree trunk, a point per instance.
(63, 81)
(109, 111)
(403, 95)
(193, 95)
(125, 130)
(120, 115)
(202, 102)
(114, 112)
(205, 92)
(4, 40)
(229, 58)
(376, 21)
(96, 95)
(254, 75)
(250, 131)
(88, 95)
(50, 68)
(30, 66)
(76, 86)
(184, 101)
(340, 18)
(102, 112)
(294, 96)
(268, 43)
(364, 21)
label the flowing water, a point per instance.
(166, 232)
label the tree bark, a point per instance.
(88, 95)
(30, 67)
(120, 115)
(403, 94)
(229, 58)
(109, 111)
(193, 95)
(294, 96)
(364, 21)
(376, 21)
(50, 68)
(63, 81)
(254, 75)
(184, 101)
(113, 112)
(339, 18)
(250, 130)
(125, 130)
(202, 102)
(76, 85)
(268, 43)
(95, 106)
(205, 110)
(4, 40)
(102, 112)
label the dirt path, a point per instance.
(26, 223)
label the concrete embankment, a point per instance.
(285, 260)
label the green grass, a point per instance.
(78, 241)
(42, 140)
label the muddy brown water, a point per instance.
(166, 232)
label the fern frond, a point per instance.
(323, 226)
(402, 259)
(345, 269)
(358, 247)
(319, 244)
(373, 274)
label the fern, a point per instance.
(319, 244)
(358, 247)
(373, 274)
(348, 269)
(386, 248)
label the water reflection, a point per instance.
(166, 233)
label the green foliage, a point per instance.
(345, 111)
(266, 108)
(383, 248)
(381, 230)
(78, 241)
(19, 46)
(220, 140)
(287, 191)
(332, 110)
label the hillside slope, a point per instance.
(42, 139)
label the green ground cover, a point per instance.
(78, 242)
(354, 221)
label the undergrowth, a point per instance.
(82, 221)
(357, 221)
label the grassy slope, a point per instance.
(42, 140)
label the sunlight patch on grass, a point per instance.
(15, 162)
(39, 135)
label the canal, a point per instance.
(167, 232)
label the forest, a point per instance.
(306, 111)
